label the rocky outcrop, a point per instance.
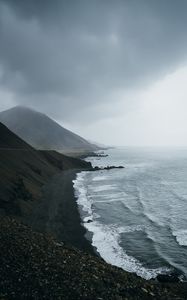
(107, 168)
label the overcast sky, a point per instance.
(114, 71)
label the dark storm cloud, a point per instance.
(62, 56)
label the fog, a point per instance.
(112, 71)
(159, 119)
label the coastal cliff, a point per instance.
(36, 188)
(43, 250)
(24, 170)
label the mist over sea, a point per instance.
(138, 215)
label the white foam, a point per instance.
(99, 178)
(106, 240)
(109, 200)
(132, 228)
(80, 193)
(111, 196)
(106, 237)
(181, 236)
(103, 188)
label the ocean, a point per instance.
(136, 217)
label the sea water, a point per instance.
(137, 215)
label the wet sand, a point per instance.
(58, 214)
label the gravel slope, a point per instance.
(35, 266)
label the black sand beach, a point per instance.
(43, 250)
(58, 213)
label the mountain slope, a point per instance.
(8, 140)
(42, 132)
(24, 170)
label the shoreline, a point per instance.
(36, 266)
(174, 276)
(62, 270)
(58, 213)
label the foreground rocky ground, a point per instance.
(35, 266)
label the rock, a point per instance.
(173, 277)
(113, 167)
(89, 221)
(53, 272)
(107, 168)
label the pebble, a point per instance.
(51, 271)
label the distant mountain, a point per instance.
(41, 132)
(9, 141)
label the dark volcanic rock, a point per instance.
(89, 221)
(173, 277)
(106, 168)
(93, 154)
(113, 167)
(35, 266)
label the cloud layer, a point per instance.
(71, 59)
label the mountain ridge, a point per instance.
(42, 132)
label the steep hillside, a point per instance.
(42, 132)
(9, 141)
(24, 170)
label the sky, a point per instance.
(113, 71)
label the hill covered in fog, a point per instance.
(41, 132)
